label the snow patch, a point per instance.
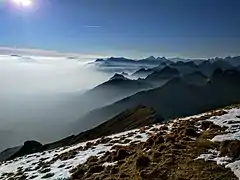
(109, 164)
(62, 168)
(230, 120)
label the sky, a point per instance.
(131, 28)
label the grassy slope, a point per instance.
(127, 120)
(164, 156)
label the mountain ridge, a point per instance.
(177, 98)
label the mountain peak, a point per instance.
(151, 58)
(169, 70)
(156, 58)
(118, 77)
(162, 58)
(99, 60)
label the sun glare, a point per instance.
(23, 3)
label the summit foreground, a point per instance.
(205, 146)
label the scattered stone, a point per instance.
(206, 124)
(29, 147)
(191, 131)
(233, 122)
(143, 129)
(230, 148)
(19, 173)
(107, 157)
(105, 140)
(101, 152)
(138, 137)
(19, 168)
(95, 169)
(126, 141)
(92, 159)
(8, 174)
(163, 128)
(150, 140)
(121, 154)
(133, 143)
(49, 175)
(114, 170)
(142, 161)
(68, 167)
(61, 166)
(23, 177)
(155, 130)
(43, 153)
(131, 134)
(89, 145)
(33, 177)
(67, 155)
(45, 170)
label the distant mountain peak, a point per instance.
(166, 73)
(170, 70)
(118, 77)
(151, 58)
(99, 60)
(143, 72)
(161, 58)
(124, 74)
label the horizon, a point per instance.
(53, 53)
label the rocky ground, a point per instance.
(204, 146)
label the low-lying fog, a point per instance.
(38, 96)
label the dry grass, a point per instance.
(163, 157)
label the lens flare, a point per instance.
(23, 3)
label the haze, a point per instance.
(37, 96)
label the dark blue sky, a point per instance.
(187, 28)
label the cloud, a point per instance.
(91, 26)
(47, 53)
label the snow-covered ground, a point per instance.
(37, 166)
(231, 121)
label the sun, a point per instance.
(23, 3)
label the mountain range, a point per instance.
(116, 88)
(117, 65)
(172, 88)
(180, 96)
(169, 90)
